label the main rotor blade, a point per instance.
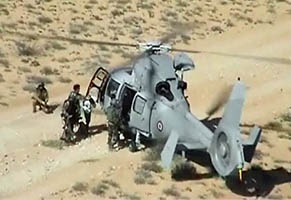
(219, 101)
(276, 60)
(186, 50)
(74, 40)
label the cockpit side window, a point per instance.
(163, 88)
(112, 87)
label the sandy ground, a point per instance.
(246, 39)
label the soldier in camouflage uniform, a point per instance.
(74, 98)
(42, 94)
(113, 114)
(71, 110)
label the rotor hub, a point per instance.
(154, 47)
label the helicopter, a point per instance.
(151, 92)
(154, 107)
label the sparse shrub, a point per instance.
(92, 160)
(24, 69)
(48, 71)
(38, 79)
(154, 154)
(103, 48)
(229, 23)
(258, 154)
(88, 23)
(217, 28)
(63, 60)
(4, 104)
(274, 125)
(117, 13)
(56, 144)
(26, 49)
(44, 20)
(172, 191)
(182, 3)
(142, 176)
(1, 78)
(287, 137)
(111, 183)
(100, 189)
(123, 2)
(130, 197)
(64, 79)
(29, 6)
(286, 117)
(77, 28)
(4, 62)
(216, 194)
(80, 186)
(183, 170)
(56, 45)
(88, 7)
(93, 2)
(152, 166)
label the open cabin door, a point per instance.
(97, 85)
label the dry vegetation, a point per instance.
(57, 144)
(183, 170)
(80, 187)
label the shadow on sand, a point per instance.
(96, 129)
(258, 182)
(93, 130)
(51, 108)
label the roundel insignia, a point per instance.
(160, 126)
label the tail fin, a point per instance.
(226, 148)
(233, 109)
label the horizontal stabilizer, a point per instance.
(169, 149)
(251, 143)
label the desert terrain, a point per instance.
(246, 39)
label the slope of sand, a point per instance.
(246, 39)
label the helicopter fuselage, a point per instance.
(153, 101)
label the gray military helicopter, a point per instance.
(151, 92)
